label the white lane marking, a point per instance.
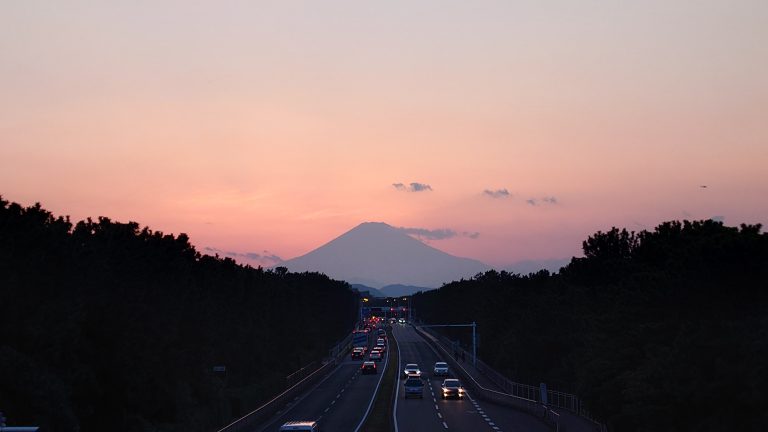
(333, 401)
(338, 395)
(304, 396)
(495, 428)
(326, 410)
(445, 425)
(436, 407)
(491, 423)
(434, 400)
(439, 415)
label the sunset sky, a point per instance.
(520, 126)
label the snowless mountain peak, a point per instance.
(376, 254)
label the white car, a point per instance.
(441, 369)
(411, 369)
(308, 426)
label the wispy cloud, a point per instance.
(412, 187)
(438, 234)
(540, 201)
(498, 193)
(265, 259)
(472, 235)
(718, 218)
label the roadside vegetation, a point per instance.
(107, 326)
(380, 417)
(657, 330)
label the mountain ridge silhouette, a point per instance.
(377, 254)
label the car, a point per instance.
(441, 369)
(411, 369)
(368, 367)
(381, 342)
(358, 352)
(375, 356)
(381, 348)
(306, 426)
(401, 320)
(452, 388)
(414, 386)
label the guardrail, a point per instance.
(530, 406)
(256, 417)
(555, 398)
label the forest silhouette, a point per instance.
(110, 326)
(663, 330)
(106, 326)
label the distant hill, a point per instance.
(371, 290)
(401, 290)
(376, 254)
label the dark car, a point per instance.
(375, 356)
(441, 369)
(358, 353)
(452, 389)
(414, 386)
(368, 367)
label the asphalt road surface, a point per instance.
(338, 402)
(432, 413)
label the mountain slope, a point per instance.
(376, 254)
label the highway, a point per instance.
(338, 402)
(432, 413)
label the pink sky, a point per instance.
(279, 125)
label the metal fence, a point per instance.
(555, 398)
(296, 383)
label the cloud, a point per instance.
(718, 218)
(266, 259)
(544, 200)
(472, 235)
(412, 187)
(438, 234)
(498, 193)
(419, 187)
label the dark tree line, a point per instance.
(663, 330)
(110, 326)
